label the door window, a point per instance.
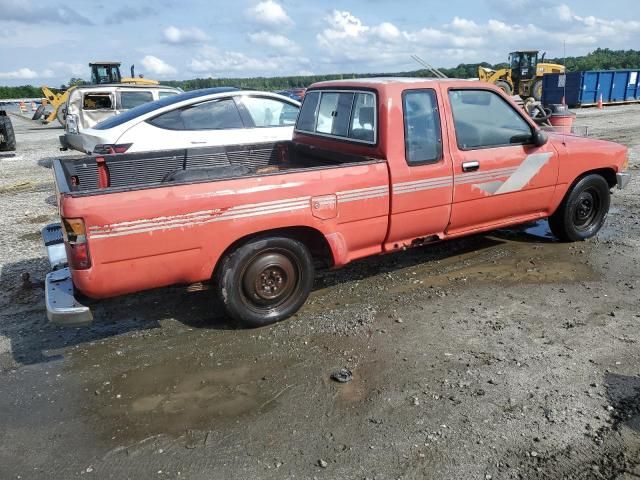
(422, 134)
(268, 112)
(166, 93)
(483, 119)
(133, 99)
(214, 115)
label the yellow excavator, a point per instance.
(101, 73)
(524, 76)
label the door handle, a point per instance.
(197, 143)
(470, 166)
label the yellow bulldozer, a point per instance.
(524, 76)
(101, 73)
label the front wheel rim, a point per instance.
(587, 209)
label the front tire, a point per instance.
(265, 280)
(583, 210)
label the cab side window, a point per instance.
(483, 119)
(422, 133)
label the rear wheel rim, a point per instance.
(270, 280)
(587, 210)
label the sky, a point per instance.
(50, 42)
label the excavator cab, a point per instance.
(105, 72)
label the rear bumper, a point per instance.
(622, 179)
(71, 141)
(62, 306)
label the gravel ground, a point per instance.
(506, 355)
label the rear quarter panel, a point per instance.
(170, 235)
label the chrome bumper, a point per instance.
(62, 306)
(622, 179)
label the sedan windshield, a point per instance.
(152, 106)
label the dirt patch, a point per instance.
(31, 237)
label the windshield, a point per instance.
(152, 106)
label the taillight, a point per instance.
(75, 241)
(111, 148)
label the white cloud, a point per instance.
(269, 13)
(211, 62)
(157, 66)
(347, 38)
(273, 40)
(177, 35)
(387, 31)
(21, 73)
(341, 25)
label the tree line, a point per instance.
(599, 59)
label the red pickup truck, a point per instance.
(375, 166)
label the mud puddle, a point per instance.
(201, 381)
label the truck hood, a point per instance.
(590, 150)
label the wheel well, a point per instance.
(607, 173)
(313, 239)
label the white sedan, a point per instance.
(200, 118)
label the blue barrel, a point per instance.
(586, 88)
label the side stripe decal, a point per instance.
(490, 181)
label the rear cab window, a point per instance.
(344, 114)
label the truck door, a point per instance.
(499, 175)
(421, 174)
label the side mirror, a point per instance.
(539, 138)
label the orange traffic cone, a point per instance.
(600, 105)
(33, 106)
(23, 107)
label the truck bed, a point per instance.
(90, 175)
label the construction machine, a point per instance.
(524, 75)
(101, 73)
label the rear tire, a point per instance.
(265, 280)
(536, 90)
(505, 87)
(6, 129)
(583, 210)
